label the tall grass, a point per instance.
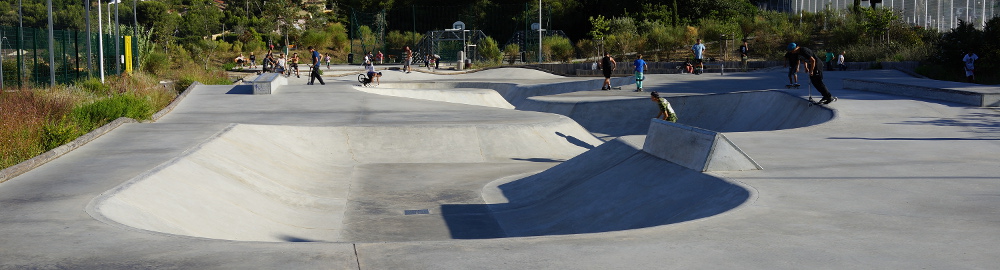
(23, 114)
(33, 120)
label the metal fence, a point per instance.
(24, 53)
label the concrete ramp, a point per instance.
(470, 96)
(613, 187)
(730, 112)
(283, 183)
(695, 148)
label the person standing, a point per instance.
(698, 49)
(408, 55)
(840, 61)
(970, 65)
(744, 50)
(829, 60)
(315, 67)
(814, 68)
(793, 69)
(326, 58)
(253, 60)
(379, 56)
(640, 67)
(666, 111)
(608, 65)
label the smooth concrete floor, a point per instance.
(888, 183)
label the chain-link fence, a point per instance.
(389, 30)
(24, 53)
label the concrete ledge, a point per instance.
(964, 93)
(267, 83)
(697, 149)
(28, 165)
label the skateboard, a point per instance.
(790, 86)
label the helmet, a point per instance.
(791, 46)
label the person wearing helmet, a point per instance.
(814, 68)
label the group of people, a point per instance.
(813, 67)
(277, 63)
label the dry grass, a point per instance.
(26, 115)
(23, 114)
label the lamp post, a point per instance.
(540, 31)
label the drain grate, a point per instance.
(416, 212)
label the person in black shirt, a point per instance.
(814, 68)
(608, 65)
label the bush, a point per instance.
(156, 63)
(95, 86)
(558, 48)
(513, 51)
(489, 50)
(57, 133)
(98, 113)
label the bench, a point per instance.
(964, 93)
(267, 83)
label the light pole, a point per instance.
(52, 47)
(100, 41)
(540, 31)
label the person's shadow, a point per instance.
(575, 141)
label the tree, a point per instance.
(488, 49)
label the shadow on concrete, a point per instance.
(293, 239)
(575, 141)
(981, 122)
(538, 159)
(915, 139)
(610, 188)
(241, 90)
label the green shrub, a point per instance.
(489, 50)
(95, 86)
(558, 48)
(183, 82)
(57, 133)
(156, 63)
(101, 112)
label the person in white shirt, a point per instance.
(970, 65)
(840, 62)
(372, 74)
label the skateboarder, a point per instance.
(814, 68)
(608, 65)
(640, 67)
(666, 111)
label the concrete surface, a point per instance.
(964, 93)
(232, 180)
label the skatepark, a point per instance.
(515, 168)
